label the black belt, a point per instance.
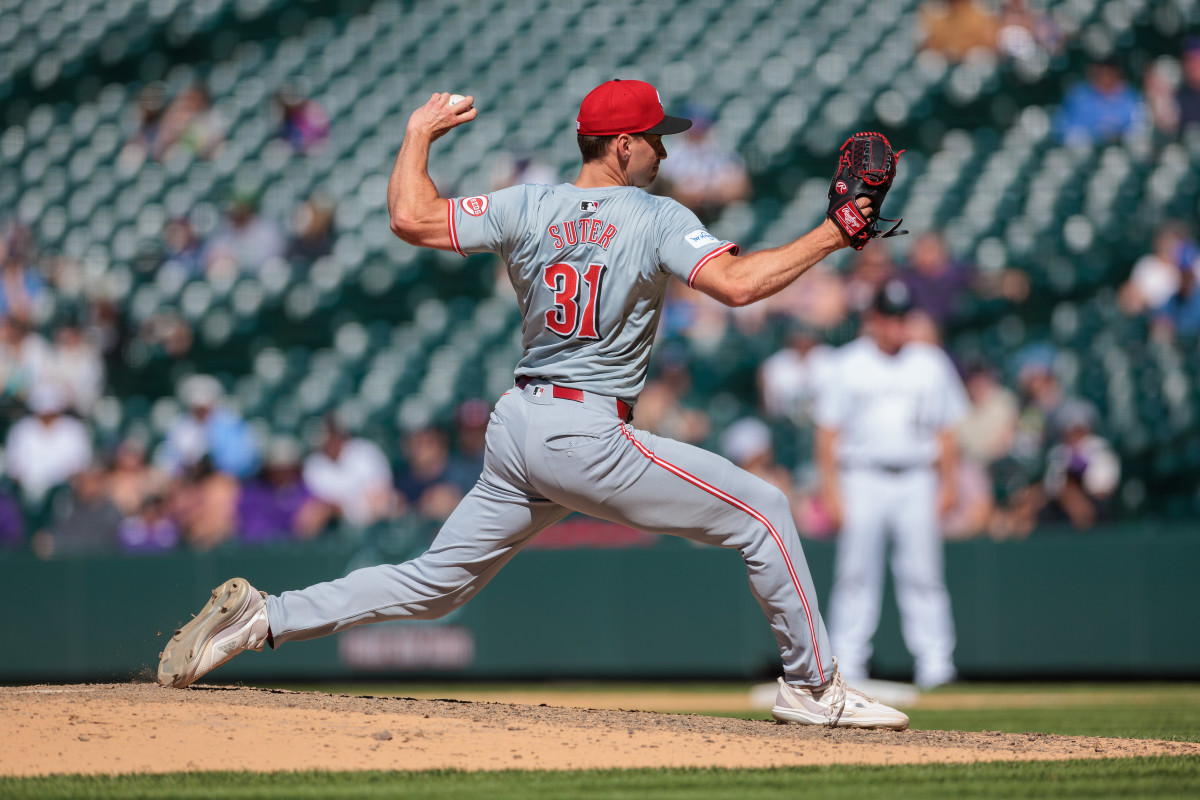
(891, 469)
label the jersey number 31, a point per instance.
(566, 319)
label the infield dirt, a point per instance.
(143, 728)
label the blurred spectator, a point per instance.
(352, 475)
(1155, 277)
(22, 289)
(86, 523)
(1104, 108)
(22, 353)
(1160, 90)
(1188, 97)
(693, 316)
(304, 124)
(209, 429)
(512, 169)
(808, 506)
(747, 443)
(277, 506)
(819, 301)
(661, 411)
(871, 269)
(167, 332)
(243, 241)
(939, 285)
(987, 431)
(46, 449)
(923, 328)
(1041, 398)
(427, 483)
(1024, 32)
(1018, 476)
(956, 27)
(189, 124)
(662, 408)
(790, 379)
(182, 247)
(204, 503)
(132, 482)
(1082, 471)
(106, 327)
(1179, 317)
(701, 173)
(74, 365)
(312, 235)
(470, 434)
(12, 522)
(151, 529)
(974, 502)
(145, 142)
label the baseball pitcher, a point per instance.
(590, 262)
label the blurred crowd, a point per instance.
(1107, 106)
(211, 481)
(1031, 453)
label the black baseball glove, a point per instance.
(866, 168)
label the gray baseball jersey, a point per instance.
(590, 267)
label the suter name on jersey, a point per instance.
(571, 232)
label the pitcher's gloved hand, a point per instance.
(866, 168)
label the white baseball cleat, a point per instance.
(834, 704)
(234, 619)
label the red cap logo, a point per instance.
(619, 106)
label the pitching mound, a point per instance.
(140, 728)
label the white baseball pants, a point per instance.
(901, 505)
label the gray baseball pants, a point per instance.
(547, 457)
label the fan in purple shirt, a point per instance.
(277, 506)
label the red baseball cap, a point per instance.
(619, 106)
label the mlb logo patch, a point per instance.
(700, 238)
(589, 205)
(538, 391)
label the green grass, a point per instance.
(1158, 778)
(1180, 725)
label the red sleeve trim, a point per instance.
(729, 248)
(453, 230)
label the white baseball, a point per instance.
(454, 98)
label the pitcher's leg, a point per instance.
(635, 478)
(487, 529)
(917, 564)
(857, 595)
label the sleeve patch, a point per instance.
(700, 238)
(475, 206)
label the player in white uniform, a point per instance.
(886, 452)
(590, 263)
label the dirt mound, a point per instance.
(139, 728)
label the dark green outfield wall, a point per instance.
(1116, 603)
